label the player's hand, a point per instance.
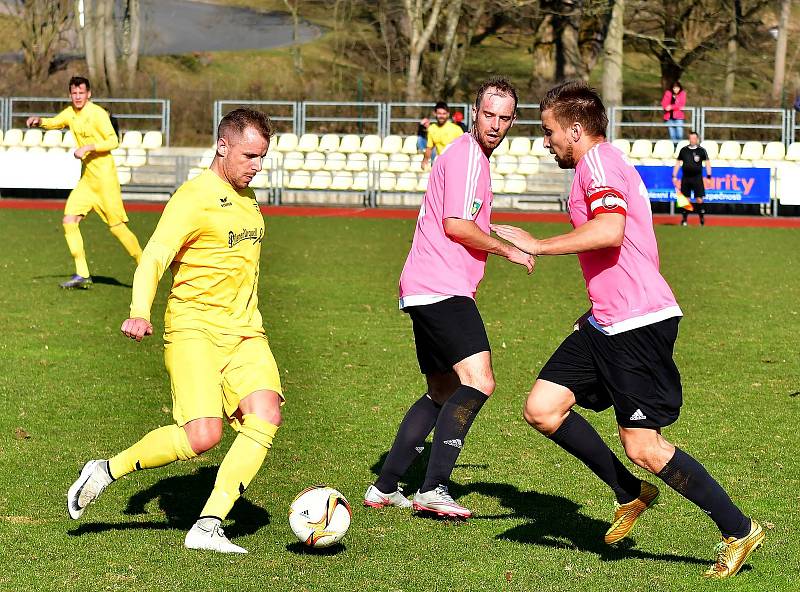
(137, 328)
(522, 258)
(517, 237)
(80, 152)
(425, 165)
(33, 121)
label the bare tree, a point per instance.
(421, 19)
(297, 57)
(780, 52)
(107, 38)
(131, 37)
(732, 51)
(613, 56)
(44, 24)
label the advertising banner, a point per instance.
(726, 185)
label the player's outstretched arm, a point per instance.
(33, 121)
(136, 328)
(470, 235)
(606, 230)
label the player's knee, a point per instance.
(70, 219)
(542, 420)
(204, 439)
(642, 455)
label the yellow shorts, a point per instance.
(98, 191)
(210, 376)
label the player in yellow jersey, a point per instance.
(98, 188)
(441, 133)
(216, 353)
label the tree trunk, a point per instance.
(732, 60)
(544, 64)
(131, 33)
(446, 55)
(110, 47)
(460, 52)
(90, 40)
(297, 58)
(780, 53)
(568, 55)
(612, 56)
(419, 35)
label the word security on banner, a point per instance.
(726, 185)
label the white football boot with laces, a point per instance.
(91, 482)
(207, 534)
(439, 502)
(375, 498)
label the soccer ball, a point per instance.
(319, 516)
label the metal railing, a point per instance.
(150, 114)
(744, 124)
(342, 117)
(4, 125)
(647, 121)
(285, 113)
(403, 118)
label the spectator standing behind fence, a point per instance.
(691, 160)
(673, 102)
(458, 119)
(440, 133)
(422, 134)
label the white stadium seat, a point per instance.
(308, 143)
(152, 140)
(519, 146)
(498, 183)
(57, 150)
(341, 181)
(13, 137)
(193, 172)
(136, 157)
(729, 150)
(356, 162)
(314, 161)
(679, 146)
(422, 182)
(124, 175)
(68, 141)
(328, 143)
(370, 144)
(131, 139)
(287, 143)
(505, 164)
(52, 138)
(15, 149)
(515, 184)
(37, 150)
(622, 145)
(205, 160)
(663, 149)
(641, 149)
(392, 144)
(261, 180)
(32, 137)
(378, 161)
(387, 181)
(398, 163)
(360, 181)
(538, 149)
(406, 182)
(711, 147)
(502, 148)
(320, 180)
(774, 151)
(527, 165)
(299, 180)
(793, 152)
(410, 145)
(752, 151)
(335, 161)
(350, 143)
(119, 155)
(293, 161)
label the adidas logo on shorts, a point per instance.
(419, 449)
(454, 443)
(638, 415)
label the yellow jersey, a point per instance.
(439, 136)
(90, 125)
(210, 236)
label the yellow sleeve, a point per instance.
(102, 124)
(58, 122)
(180, 223)
(430, 136)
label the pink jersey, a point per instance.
(624, 284)
(459, 186)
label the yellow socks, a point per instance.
(128, 240)
(240, 465)
(75, 243)
(158, 448)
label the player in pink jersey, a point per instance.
(620, 353)
(437, 290)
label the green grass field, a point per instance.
(72, 388)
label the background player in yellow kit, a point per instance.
(98, 188)
(216, 353)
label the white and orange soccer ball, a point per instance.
(320, 516)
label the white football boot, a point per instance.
(207, 534)
(91, 482)
(375, 498)
(439, 502)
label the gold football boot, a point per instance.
(732, 553)
(626, 515)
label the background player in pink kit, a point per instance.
(437, 290)
(620, 354)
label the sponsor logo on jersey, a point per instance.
(223, 202)
(256, 235)
(476, 207)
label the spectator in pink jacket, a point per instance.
(673, 101)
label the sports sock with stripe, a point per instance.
(156, 449)
(415, 427)
(581, 440)
(452, 425)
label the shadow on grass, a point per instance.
(181, 499)
(555, 521)
(96, 279)
(299, 548)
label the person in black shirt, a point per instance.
(691, 160)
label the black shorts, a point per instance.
(633, 371)
(693, 186)
(446, 332)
